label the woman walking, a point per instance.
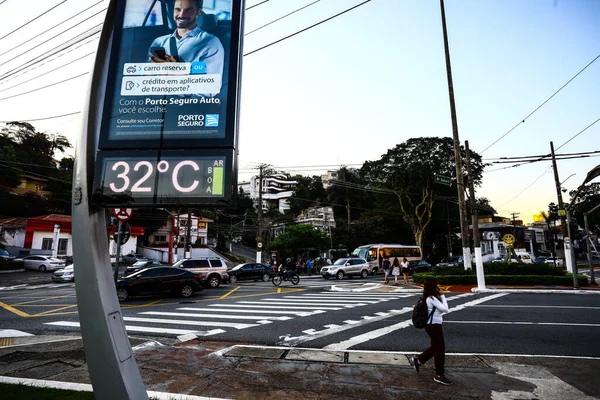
(396, 270)
(404, 266)
(436, 306)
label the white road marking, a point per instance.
(384, 331)
(521, 323)
(333, 329)
(291, 303)
(553, 307)
(306, 301)
(328, 300)
(220, 316)
(131, 328)
(245, 311)
(193, 323)
(278, 307)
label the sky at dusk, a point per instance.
(346, 91)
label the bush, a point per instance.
(512, 280)
(520, 269)
(10, 265)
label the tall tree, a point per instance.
(307, 193)
(588, 198)
(408, 172)
(347, 192)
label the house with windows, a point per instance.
(30, 236)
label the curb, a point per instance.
(549, 291)
(12, 270)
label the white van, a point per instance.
(524, 257)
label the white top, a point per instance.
(441, 307)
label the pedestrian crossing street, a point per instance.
(220, 317)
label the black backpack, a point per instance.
(420, 318)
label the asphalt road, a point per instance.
(310, 315)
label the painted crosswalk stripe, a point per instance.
(130, 328)
(318, 301)
(278, 307)
(187, 322)
(302, 303)
(220, 316)
(321, 299)
(246, 311)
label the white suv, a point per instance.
(346, 267)
(213, 269)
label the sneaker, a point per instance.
(442, 379)
(416, 364)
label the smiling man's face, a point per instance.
(186, 12)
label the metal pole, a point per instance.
(475, 223)
(460, 185)
(108, 354)
(571, 254)
(589, 246)
(188, 235)
(561, 207)
(118, 236)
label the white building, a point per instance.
(277, 189)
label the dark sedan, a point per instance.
(251, 271)
(418, 266)
(139, 265)
(159, 280)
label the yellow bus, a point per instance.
(375, 254)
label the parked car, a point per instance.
(346, 267)
(66, 274)
(4, 256)
(451, 261)
(251, 271)
(213, 269)
(138, 265)
(540, 259)
(42, 263)
(132, 258)
(418, 266)
(159, 280)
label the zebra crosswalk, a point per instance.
(220, 317)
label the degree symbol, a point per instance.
(162, 166)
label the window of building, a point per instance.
(160, 238)
(47, 244)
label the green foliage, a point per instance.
(307, 193)
(297, 238)
(588, 198)
(408, 170)
(18, 391)
(9, 178)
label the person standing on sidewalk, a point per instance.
(396, 270)
(404, 266)
(386, 269)
(309, 265)
(436, 303)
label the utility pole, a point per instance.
(261, 169)
(475, 223)
(561, 213)
(514, 217)
(460, 185)
(188, 236)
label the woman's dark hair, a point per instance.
(396, 263)
(430, 288)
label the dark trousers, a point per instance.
(437, 350)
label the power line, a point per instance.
(48, 72)
(55, 26)
(280, 18)
(579, 133)
(256, 5)
(27, 23)
(541, 105)
(44, 87)
(307, 28)
(40, 119)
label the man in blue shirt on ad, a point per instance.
(189, 43)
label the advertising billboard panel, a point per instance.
(173, 75)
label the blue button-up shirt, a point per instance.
(195, 45)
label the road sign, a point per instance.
(259, 245)
(123, 214)
(562, 213)
(125, 233)
(508, 238)
(443, 180)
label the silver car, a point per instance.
(66, 274)
(346, 267)
(42, 263)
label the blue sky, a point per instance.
(352, 88)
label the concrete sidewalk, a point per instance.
(218, 370)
